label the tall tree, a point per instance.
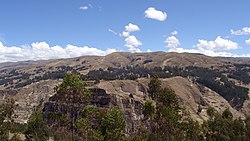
(88, 126)
(154, 87)
(73, 93)
(167, 122)
(148, 109)
(113, 125)
(37, 128)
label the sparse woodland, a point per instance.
(164, 119)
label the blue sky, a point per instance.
(49, 29)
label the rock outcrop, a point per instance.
(100, 98)
(29, 98)
(128, 95)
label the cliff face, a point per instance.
(100, 98)
(28, 98)
(128, 95)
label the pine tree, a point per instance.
(113, 125)
(37, 128)
(73, 92)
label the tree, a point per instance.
(223, 127)
(6, 117)
(113, 125)
(37, 128)
(90, 112)
(247, 122)
(239, 130)
(59, 119)
(72, 88)
(227, 114)
(168, 98)
(9, 107)
(218, 129)
(89, 124)
(211, 112)
(86, 132)
(148, 109)
(192, 130)
(154, 87)
(166, 122)
(73, 92)
(140, 135)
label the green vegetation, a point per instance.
(112, 125)
(37, 128)
(169, 122)
(7, 124)
(163, 118)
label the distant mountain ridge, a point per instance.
(117, 59)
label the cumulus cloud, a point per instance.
(208, 52)
(131, 27)
(42, 51)
(172, 42)
(211, 48)
(248, 41)
(152, 13)
(202, 51)
(243, 31)
(84, 8)
(219, 44)
(131, 41)
(125, 33)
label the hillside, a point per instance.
(197, 80)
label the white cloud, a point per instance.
(202, 51)
(174, 33)
(152, 13)
(243, 31)
(132, 42)
(172, 42)
(112, 31)
(212, 48)
(248, 41)
(42, 51)
(110, 50)
(207, 52)
(219, 44)
(131, 27)
(83, 8)
(125, 33)
(149, 50)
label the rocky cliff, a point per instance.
(129, 96)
